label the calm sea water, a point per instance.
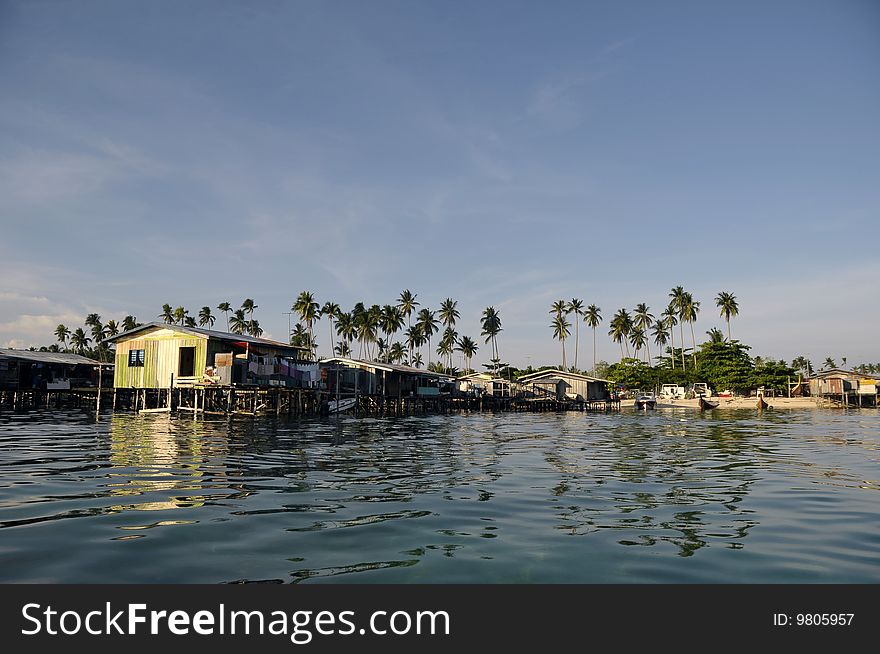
(669, 496)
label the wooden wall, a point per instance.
(161, 358)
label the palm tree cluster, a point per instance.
(637, 328)
(591, 315)
(372, 330)
(93, 333)
(242, 321)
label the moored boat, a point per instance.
(762, 404)
(646, 401)
(338, 406)
(706, 405)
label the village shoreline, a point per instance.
(750, 403)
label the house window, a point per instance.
(135, 358)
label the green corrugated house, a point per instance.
(158, 355)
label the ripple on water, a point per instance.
(670, 496)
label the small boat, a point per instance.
(338, 406)
(762, 404)
(646, 401)
(706, 405)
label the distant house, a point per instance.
(845, 384)
(564, 384)
(834, 381)
(384, 379)
(158, 355)
(27, 369)
(483, 383)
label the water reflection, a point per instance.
(480, 497)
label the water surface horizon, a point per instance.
(672, 496)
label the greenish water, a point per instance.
(668, 496)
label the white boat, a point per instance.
(646, 401)
(338, 406)
(672, 392)
(702, 390)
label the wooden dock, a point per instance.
(254, 401)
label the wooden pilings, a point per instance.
(230, 400)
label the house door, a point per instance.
(187, 362)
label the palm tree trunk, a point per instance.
(728, 329)
(694, 341)
(681, 333)
(577, 325)
(594, 350)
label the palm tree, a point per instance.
(561, 331)
(661, 337)
(829, 363)
(307, 310)
(390, 320)
(638, 340)
(618, 331)
(167, 314)
(254, 328)
(79, 340)
(428, 324)
(559, 308)
(407, 303)
(93, 320)
(729, 308)
(369, 329)
(249, 306)
(690, 310)
(677, 302)
(671, 320)
(491, 322)
(448, 312)
(238, 322)
(643, 320)
(576, 307)
(447, 345)
(300, 337)
(343, 349)
(180, 315)
(225, 307)
(111, 328)
(444, 351)
(448, 315)
(189, 321)
(358, 316)
(346, 330)
(468, 349)
(396, 352)
(62, 333)
(593, 317)
(416, 360)
(621, 327)
(205, 317)
(129, 323)
(331, 310)
(414, 338)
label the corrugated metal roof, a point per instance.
(388, 367)
(210, 333)
(551, 372)
(65, 358)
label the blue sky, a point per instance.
(501, 153)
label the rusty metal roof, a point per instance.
(65, 358)
(209, 333)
